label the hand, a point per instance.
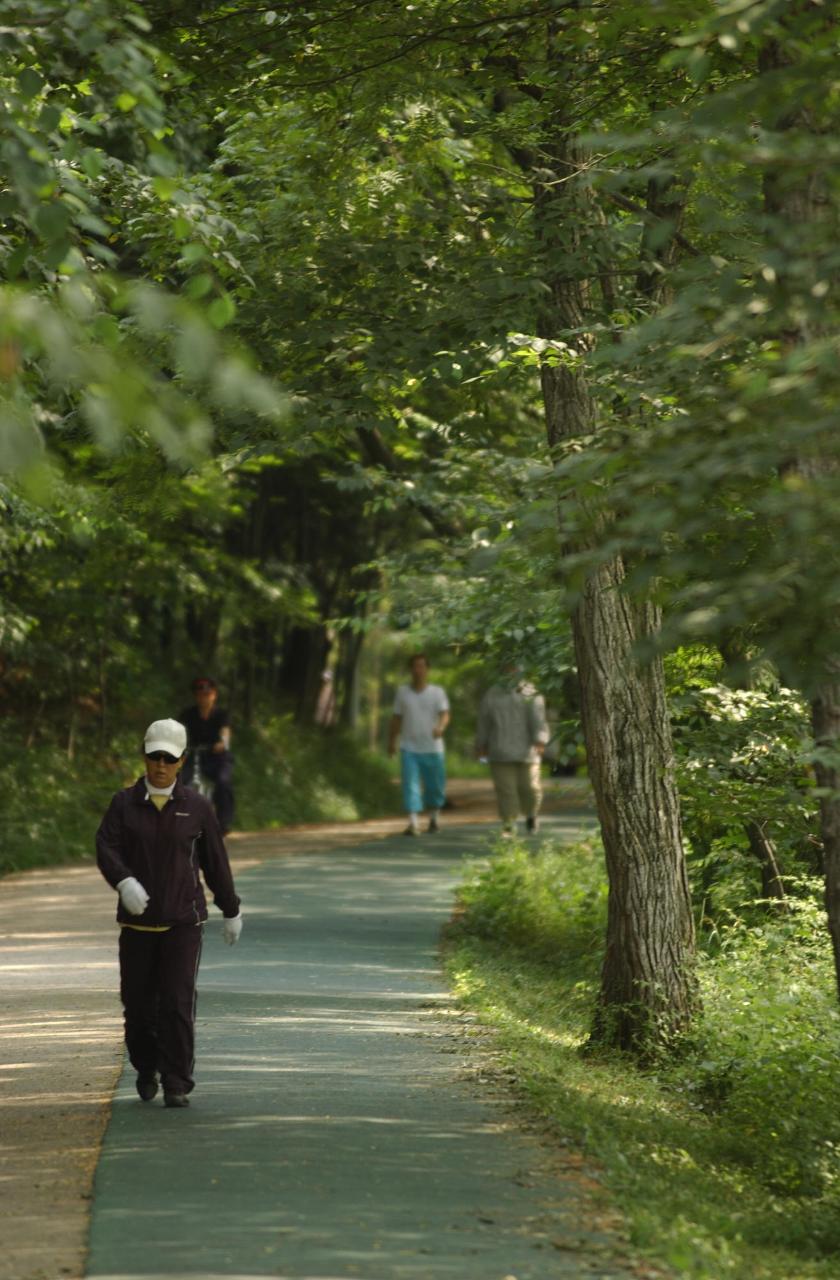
(231, 929)
(133, 896)
(437, 732)
(539, 747)
(218, 748)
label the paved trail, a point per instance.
(330, 1135)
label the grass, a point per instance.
(724, 1158)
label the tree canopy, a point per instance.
(292, 297)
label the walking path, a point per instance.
(332, 1132)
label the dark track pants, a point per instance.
(158, 974)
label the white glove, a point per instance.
(133, 896)
(231, 929)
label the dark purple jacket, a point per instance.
(164, 851)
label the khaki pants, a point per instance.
(518, 788)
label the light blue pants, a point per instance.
(423, 780)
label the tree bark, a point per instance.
(647, 986)
(772, 881)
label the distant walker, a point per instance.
(512, 733)
(421, 715)
(209, 757)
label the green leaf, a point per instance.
(16, 261)
(164, 188)
(199, 286)
(193, 253)
(49, 119)
(52, 220)
(30, 83)
(92, 163)
(221, 311)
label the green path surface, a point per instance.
(330, 1134)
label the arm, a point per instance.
(109, 857)
(223, 743)
(443, 716)
(215, 867)
(538, 724)
(109, 844)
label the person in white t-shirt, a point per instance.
(421, 714)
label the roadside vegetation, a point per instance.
(54, 803)
(722, 1145)
(723, 1153)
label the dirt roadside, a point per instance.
(61, 1034)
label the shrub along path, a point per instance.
(333, 1132)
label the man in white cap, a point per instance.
(150, 845)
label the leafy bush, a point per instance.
(52, 805)
(553, 906)
(743, 758)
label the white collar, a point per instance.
(158, 791)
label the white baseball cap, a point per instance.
(165, 735)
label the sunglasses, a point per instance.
(162, 757)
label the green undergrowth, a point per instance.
(725, 1158)
(52, 804)
(285, 776)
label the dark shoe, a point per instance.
(532, 826)
(147, 1087)
(433, 827)
(176, 1100)
(411, 831)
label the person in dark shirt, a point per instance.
(155, 844)
(208, 735)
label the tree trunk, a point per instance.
(772, 882)
(347, 677)
(305, 654)
(647, 986)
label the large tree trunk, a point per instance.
(647, 987)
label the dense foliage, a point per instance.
(278, 303)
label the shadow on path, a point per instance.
(330, 1135)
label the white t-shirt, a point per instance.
(420, 712)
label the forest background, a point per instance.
(504, 330)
